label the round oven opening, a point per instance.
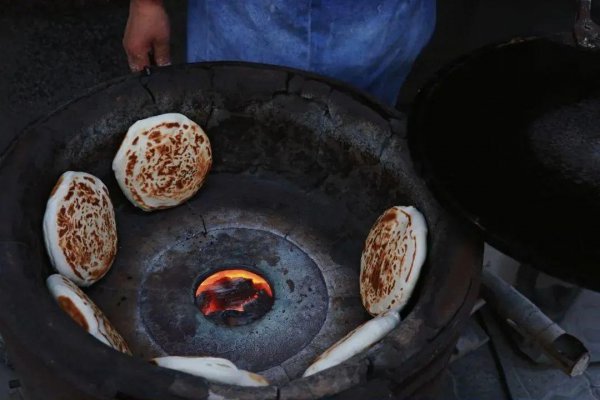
(234, 297)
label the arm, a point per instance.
(147, 30)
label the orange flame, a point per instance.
(214, 281)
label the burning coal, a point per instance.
(234, 297)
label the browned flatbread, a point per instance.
(163, 161)
(84, 312)
(80, 229)
(392, 258)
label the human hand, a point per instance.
(147, 30)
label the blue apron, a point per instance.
(367, 43)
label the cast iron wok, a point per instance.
(509, 136)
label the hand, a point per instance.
(147, 30)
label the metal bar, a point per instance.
(564, 350)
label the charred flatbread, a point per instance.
(391, 262)
(84, 312)
(163, 161)
(80, 230)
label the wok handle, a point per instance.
(586, 32)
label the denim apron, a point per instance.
(370, 44)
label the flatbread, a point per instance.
(214, 369)
(80, 230)
(355, 342)
(394, 253)
(84, 312)
(163, 161)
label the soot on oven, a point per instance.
(234, 297)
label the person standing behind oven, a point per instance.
(367, 43)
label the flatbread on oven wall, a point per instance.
(80, 230)
(392, 258)
(163, 161)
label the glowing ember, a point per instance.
(234, 297)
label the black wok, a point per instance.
(510, 137)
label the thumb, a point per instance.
(162, 53)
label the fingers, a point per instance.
(138, 50)
(138, 56)
(161, 45)
(162, 54)
(137, 47)
(137, 60)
